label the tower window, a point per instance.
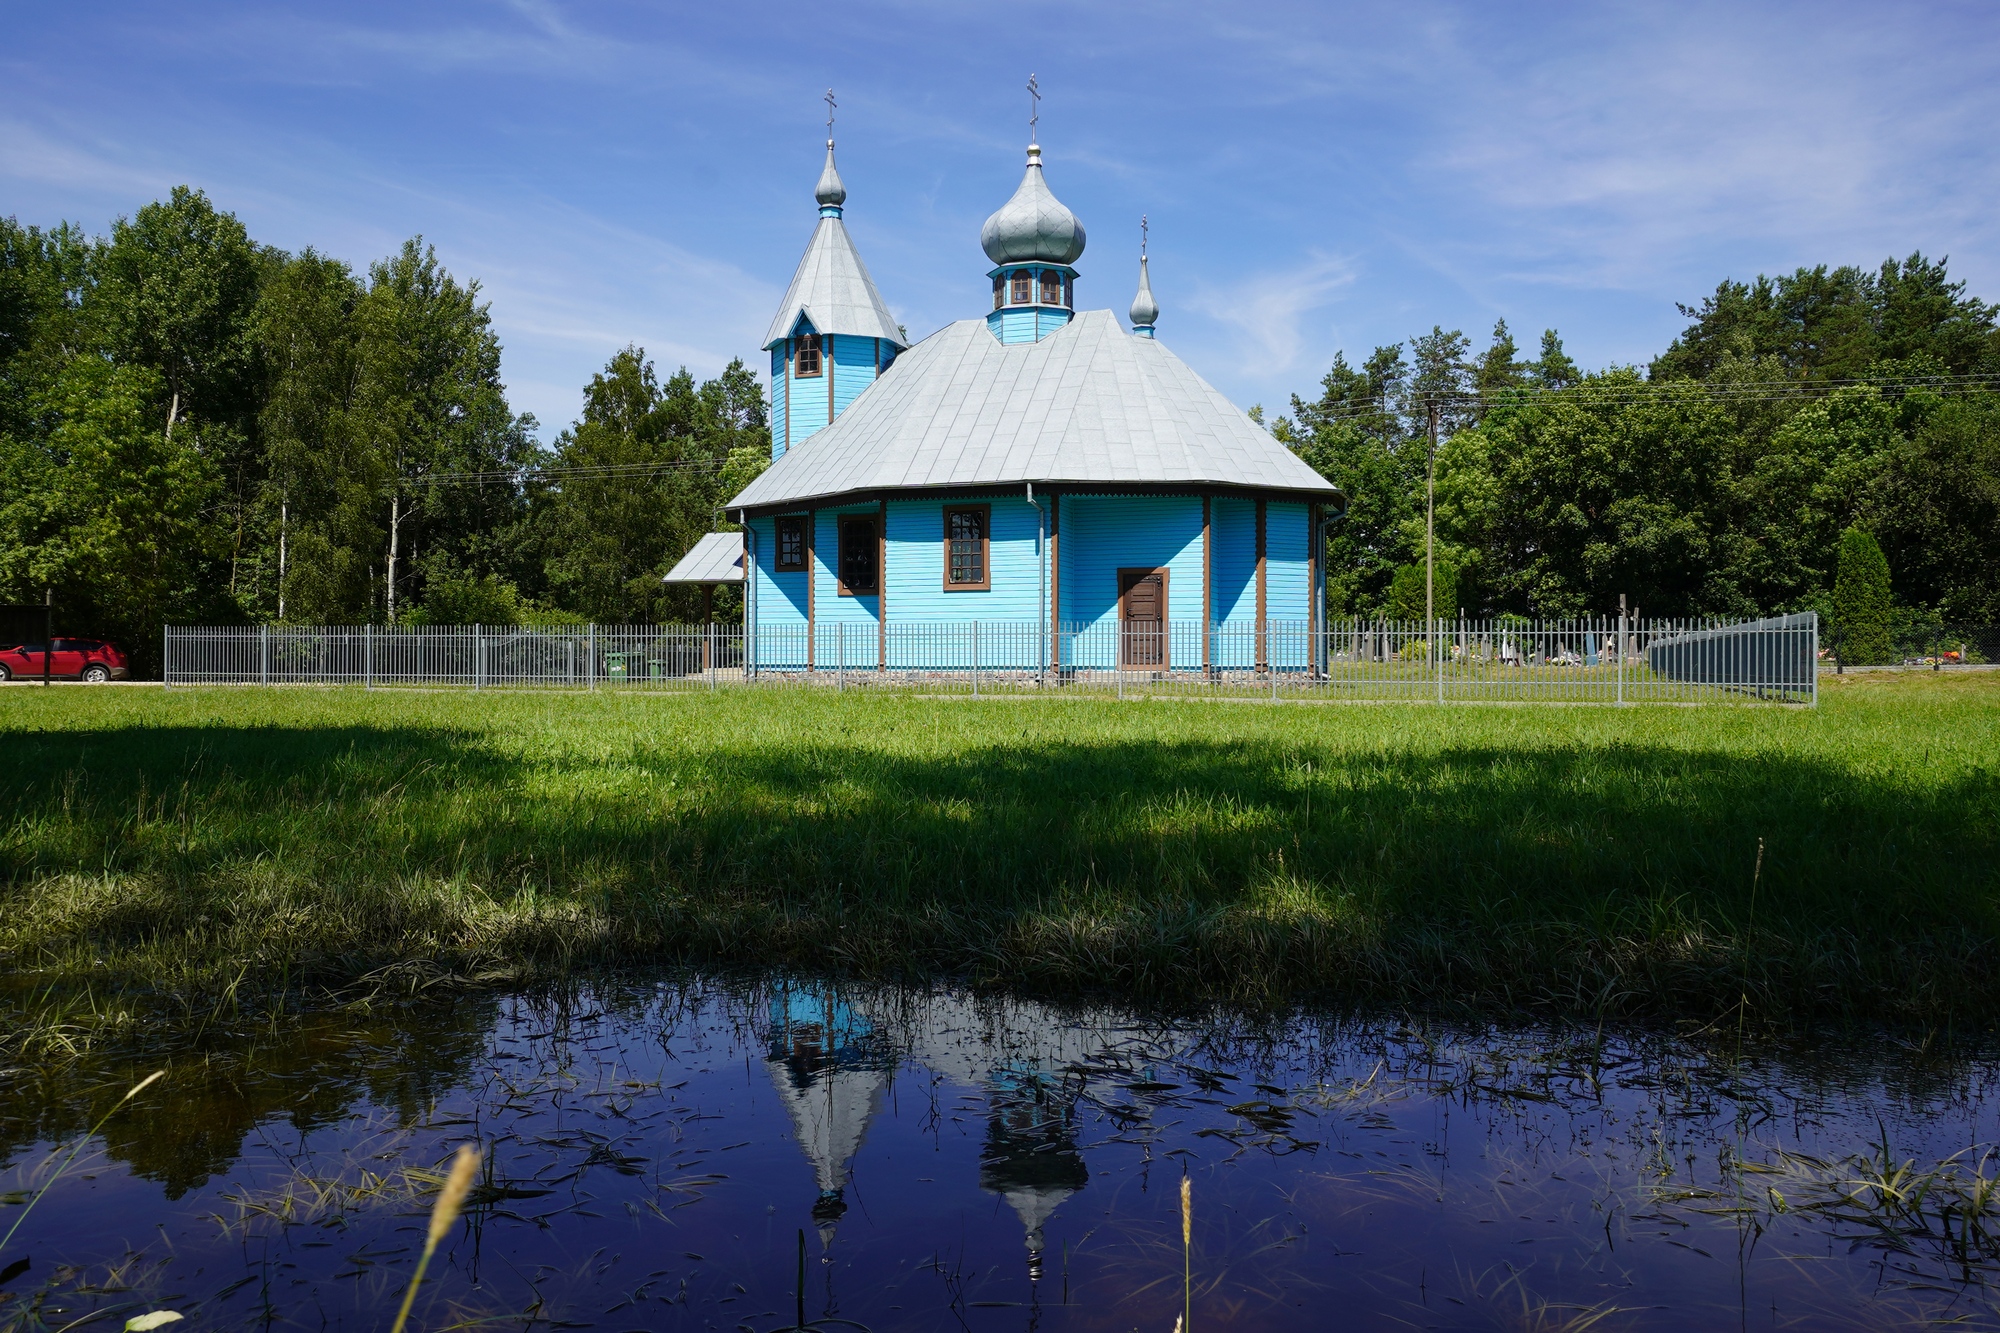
(1024, 287)
(857, 556)
(999, 292)
(805, 359)
(966, 550)
(1069, 291)
(792, 541)
(1052, 285)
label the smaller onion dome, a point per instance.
(1145, 310)
(1033, 225)
(830, 192)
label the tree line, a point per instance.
(1720, 480)
(196, 428)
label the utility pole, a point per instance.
(1430, 537)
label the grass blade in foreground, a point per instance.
(443, 1213)
(137, 1088)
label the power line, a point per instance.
(530, 472)
(1650, 391)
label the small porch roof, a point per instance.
(716, 558)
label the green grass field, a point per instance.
(171, 847)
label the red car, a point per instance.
(73, 659)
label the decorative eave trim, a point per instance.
(1332, 497)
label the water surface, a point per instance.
(694, 1154)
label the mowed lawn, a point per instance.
(1581, 860)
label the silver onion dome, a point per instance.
(1033, 225)
(1145, 310)
(830, 192)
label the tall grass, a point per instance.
(213, 848)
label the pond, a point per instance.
(692, 1153)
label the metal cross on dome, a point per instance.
(1034, 108)
(1142, 236)
(830, 105)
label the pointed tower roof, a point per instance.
(1145, 310)
(832, 288)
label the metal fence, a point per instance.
(1505, 660)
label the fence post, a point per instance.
(840, 668)
(166, 657)
(1621, 648)
(478, 658)
(263, 654)
(708, 654)
(590, 667)
(975, 659)
(368, 657)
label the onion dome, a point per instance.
(1033, 225)
(830, 192)
(1145, 310)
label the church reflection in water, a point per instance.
(832, 1066)
(833, 1056)
(1031, 1158)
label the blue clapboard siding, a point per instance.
(1013, 325)
(854, 368)
(780, 600)
(1287, 582)
(916, 586)
(1047, 321)
(778, 441)
(1233, 580)
(1102, 534)
(837, 619)
(809, 395)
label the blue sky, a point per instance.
(1319, 176)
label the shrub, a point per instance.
(1861, 601)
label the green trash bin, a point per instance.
(615, 665)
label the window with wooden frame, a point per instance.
(791, 541)
(999, 292)
(857, 557)
(968, 548)
(1024, 287)
(1052, 285)
(805, 356)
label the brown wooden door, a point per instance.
(1142, 615)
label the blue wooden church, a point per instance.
(1070, 485)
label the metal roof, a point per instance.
(1088, 404)
(716, 558)
(832, 289)
(1033, 224)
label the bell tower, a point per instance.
(833, 334)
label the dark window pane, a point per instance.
(1051, 287)
(792, 543)
(807, 359)
(1024, 287)
(965, 541)
(857, 554)
(999, 292)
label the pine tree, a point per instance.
(1861, 601)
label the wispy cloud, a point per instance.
(1266, 312)
(30, 154)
